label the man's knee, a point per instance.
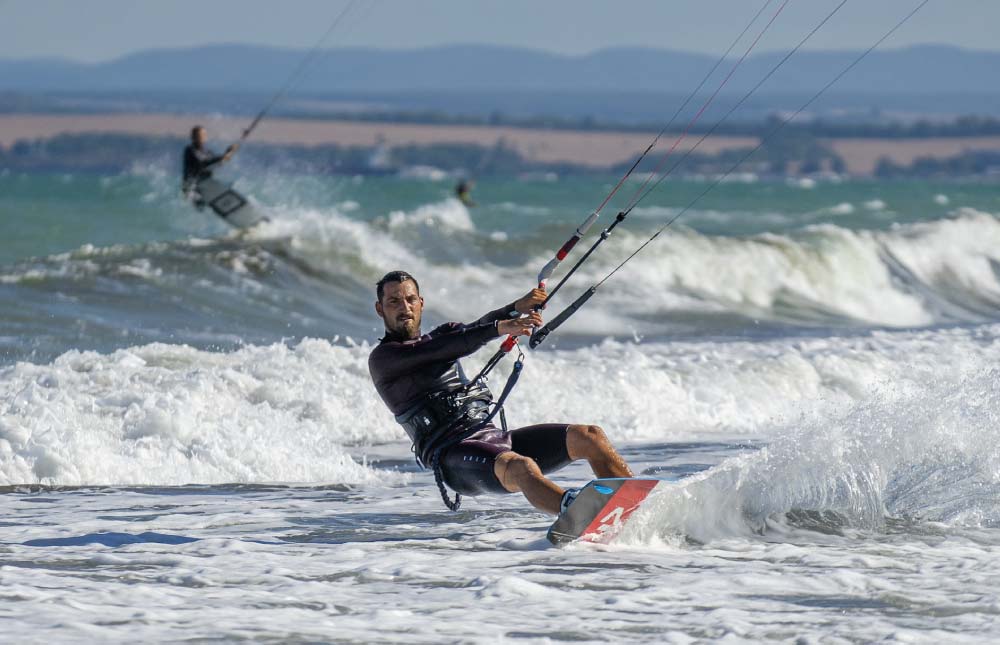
(513, 469)
(582, 439)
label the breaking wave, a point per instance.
(917, 453)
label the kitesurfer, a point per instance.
(199, 161)
(463, 191)
(421, 381)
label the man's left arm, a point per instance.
(523, 305)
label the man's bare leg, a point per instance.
(590, 443)
(518, 473)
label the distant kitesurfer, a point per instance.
(199, 162)
(421, 381)
(464, 193)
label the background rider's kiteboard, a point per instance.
(601, 510)
(228, 203)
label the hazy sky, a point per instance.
(95, 30)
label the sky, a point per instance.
(99, 30)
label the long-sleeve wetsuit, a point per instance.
(404, 371)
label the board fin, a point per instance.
(601, 509)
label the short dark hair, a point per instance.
(194, 131)
(394, 276)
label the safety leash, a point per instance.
(435, 464)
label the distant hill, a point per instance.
(921, 69)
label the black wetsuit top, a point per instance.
(198, 163)
(404, 371)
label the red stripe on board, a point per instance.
(622, 504)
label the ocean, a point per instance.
(191, 448)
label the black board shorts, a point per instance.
(467, 467)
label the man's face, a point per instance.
(199, 137)
(400, 308)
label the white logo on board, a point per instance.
(614, 517)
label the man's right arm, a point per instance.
(394, 358)
(198, 161)
(207, 159)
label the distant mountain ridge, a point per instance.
(924, 69)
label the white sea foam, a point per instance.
(339, 246)
(919, 449)
(449, 214)
(425, 173)
(524, 209)
(171, 415)
(164, 414)
(666, 391)
(843, 208)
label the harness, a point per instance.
(452, 411)
(452, 404)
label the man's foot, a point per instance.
(567, 499)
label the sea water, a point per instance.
(191, 447)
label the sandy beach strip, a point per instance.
(861, 155)
(587, 148)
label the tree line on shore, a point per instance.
(791, 151)
(872, 126)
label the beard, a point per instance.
(408, 328)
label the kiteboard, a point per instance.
(601, 510)
(228, 204)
